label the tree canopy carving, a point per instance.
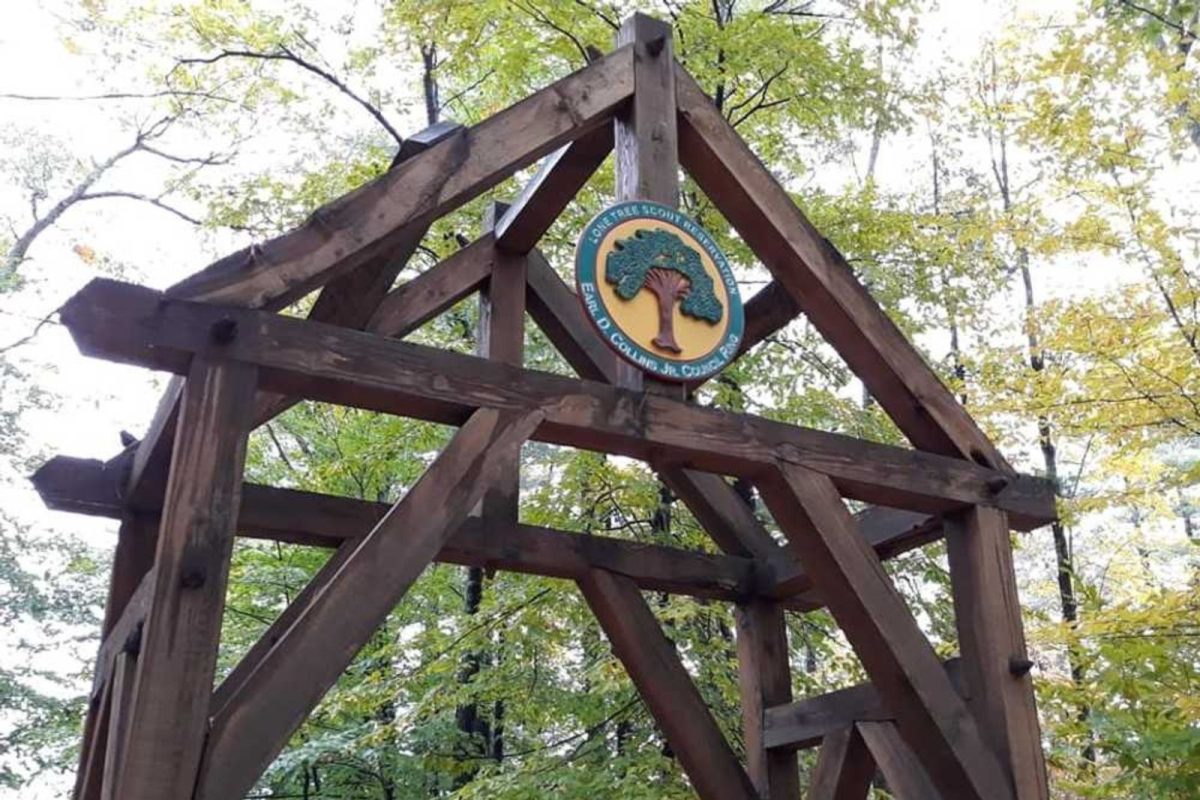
(659, 261)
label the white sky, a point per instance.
(98, 398)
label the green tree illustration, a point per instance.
(658, 260)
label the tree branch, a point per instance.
(285, 54)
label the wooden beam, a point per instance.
(501, 338)
(889, 531)
(992, 639)
(726, 517)
(341, 235)
(434, 291)
(121, 702)
(822, 283)
(168, 719)
(556, 310)
(931, 716)
(559, 178)
(132, 324)
(765, 680)
(348, 300)
(257, 720)
(125, 634)
(805, 723)
(321, 520)
(666, 688)
(844, 768)
(647, 146)
(906, 778)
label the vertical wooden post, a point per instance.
(992, 642)
(844, 767)
(501, 338)
(647, 144)
(121, 699)
(765, 680)
(168, 718)
(132, 559)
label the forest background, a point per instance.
(1016, 183)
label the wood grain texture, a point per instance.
(557, 311)
(347, 233)
(764, 680)
(559, 178)
(121, 702)
(665, 687)
(348, 300)
(906, 778)
(412, 304)
(822, 283)
(136, 325)
(991, 635)
(931, 716)
(168, 718)
(321, 520)
(257, 719)
(805, 723)
(844, 767)
(501, 338)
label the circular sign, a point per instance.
(659, 291)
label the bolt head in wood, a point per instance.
(1019, 666)
(655, 46)
(224, 330)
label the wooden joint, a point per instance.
(224, 330)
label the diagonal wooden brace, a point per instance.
(929, 713)
(259, 715)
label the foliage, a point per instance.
(1027, 217)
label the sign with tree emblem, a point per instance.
(659, 291)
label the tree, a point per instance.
(658, 260)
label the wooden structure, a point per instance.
(157, 729)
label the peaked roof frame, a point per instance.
(156, 730)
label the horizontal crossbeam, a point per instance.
(308, 518)
(804, 723)
(132, 324)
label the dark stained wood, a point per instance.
(147, 479)
(765, 680)
(805, 723)
(647, 146)
(906, 778)
(434, 291)
(991, 636)
(348, 300)
(647, 143)
(767, 312)
(556, 310)
(132, 324)
(321, 520)
(501, 338)
(559, 178)
(168, 718)
(723, 513)
(256, 721)
(121, 701)
(822, 283)
(931, 716)
(125, 630)
(89, 779)
(665, 687)
(132, 559)
(844, 767)
(254, 657)
(344, 234)
(890, 531)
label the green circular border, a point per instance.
(586, 259)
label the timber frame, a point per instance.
(157, 729)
